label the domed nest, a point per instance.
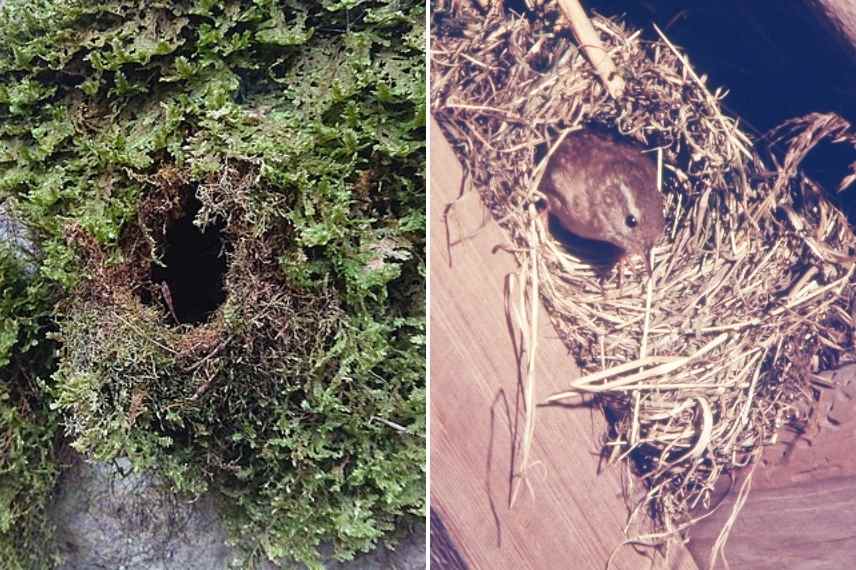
(753, 282)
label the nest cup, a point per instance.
(698, 367)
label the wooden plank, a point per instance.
(574, 516)
(801, 511)
(811, 526)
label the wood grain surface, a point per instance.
(574, 515)
(810, 526)
(801, 512)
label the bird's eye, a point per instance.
(631, 221)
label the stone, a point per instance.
(107, 516)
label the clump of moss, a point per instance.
(295, 132)
(28, 427)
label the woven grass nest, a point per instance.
(753, 285)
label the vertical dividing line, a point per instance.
(427, 61)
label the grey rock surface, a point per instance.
(15, 235)
(107, 517)
(110, 518)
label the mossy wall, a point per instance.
(296, 131)
(28, 426)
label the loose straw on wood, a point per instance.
(532, 347)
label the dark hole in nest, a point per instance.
(194, 267)
(602, 255)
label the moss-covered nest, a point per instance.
(229, 202)
(753, 283)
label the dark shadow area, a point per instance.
(194, 268)
(778, 61)
(601, 255)
(827, 164)
(489, 467)
(444, 552)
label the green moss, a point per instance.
(299, 127)
(28, 427)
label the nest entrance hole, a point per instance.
(603, 256)
(194, 267)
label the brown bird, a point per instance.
(605, 191)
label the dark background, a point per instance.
(778, 60)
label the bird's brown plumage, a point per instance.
(602, 189)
